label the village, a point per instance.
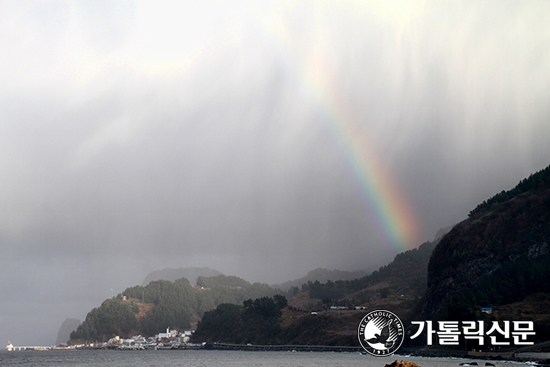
(171, 339)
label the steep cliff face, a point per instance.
(495, 256)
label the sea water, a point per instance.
(208, 358)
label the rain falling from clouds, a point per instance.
(261, 139)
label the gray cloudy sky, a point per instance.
(139, 135)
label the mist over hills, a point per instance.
(172, 274)
(193, 273)
(67, 327)
(322, 275)
(499, 257)
(258, 138)
(396, 286)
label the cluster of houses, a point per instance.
(171, 339)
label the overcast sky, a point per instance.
(136, 136)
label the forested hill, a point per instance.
(396, 286)
(149, 310)
(533, 185)
(500, 255)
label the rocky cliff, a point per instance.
(499, 255)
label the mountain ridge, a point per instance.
(322, 275)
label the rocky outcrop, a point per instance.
(402, 364)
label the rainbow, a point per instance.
(380, 189)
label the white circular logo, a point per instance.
(381, 333)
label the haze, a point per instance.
(136, 136)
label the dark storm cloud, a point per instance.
(139, 136)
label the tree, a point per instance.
(280, 300)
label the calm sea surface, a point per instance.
(203, 358)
